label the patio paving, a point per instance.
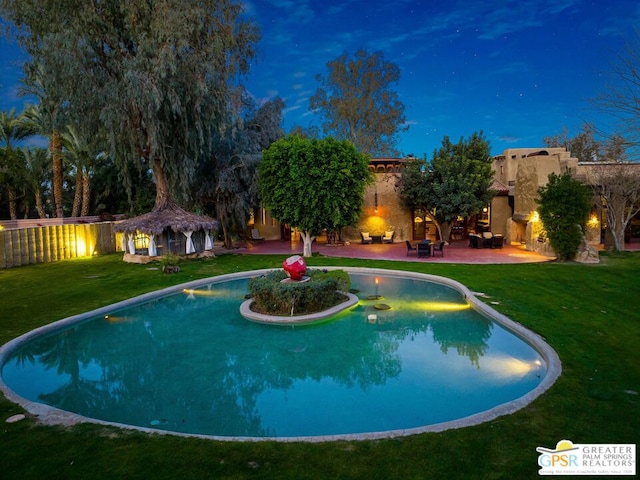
(456, 252)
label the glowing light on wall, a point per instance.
(81, 248)
(535, 217)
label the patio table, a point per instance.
(424, 248)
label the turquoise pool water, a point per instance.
(188, 362)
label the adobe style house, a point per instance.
(383, 212)
(518, 173)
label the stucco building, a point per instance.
(518, 173)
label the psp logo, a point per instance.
(563, 456)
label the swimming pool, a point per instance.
(184, 360)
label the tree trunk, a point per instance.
(75, 210)
(307, 240)
(445, 231)
(13, 204)
(616, 226)
(163, 194)
(222, 218)
(55, 146)
(437, 224)
(86, 193)
(40, 205)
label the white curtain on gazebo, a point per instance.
(190, 248)
(123, 242)
(208, 244)
(153, 252)
(132, 244)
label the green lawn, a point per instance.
(590, 314)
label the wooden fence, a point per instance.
(49, 243)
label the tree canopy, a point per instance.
(156, 75)
(620, 100)
(358, 102)
(228, 180)
(587, 147)
(313, 185)
(455, 183)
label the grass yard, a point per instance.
(590, 314)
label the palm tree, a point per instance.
(47, 117)
(38, 172)
(12, 129)
(43, 121)
(77, 152)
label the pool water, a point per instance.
(188, 362)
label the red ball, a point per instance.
(295, 267)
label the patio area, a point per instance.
(456, 252)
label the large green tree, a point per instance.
(313, 185)
(564, 208)
(455, 183)
(358, 102)
(155, 74)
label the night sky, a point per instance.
(517, 70)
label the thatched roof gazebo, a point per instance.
(164, 230)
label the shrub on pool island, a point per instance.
(272, 296)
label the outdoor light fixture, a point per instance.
(375, 201)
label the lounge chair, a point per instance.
(366, 238)
(438, 247)
(410, 248)
(388, 236)
(255, 235)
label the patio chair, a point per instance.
(255, 235)
(366, 238)
(497, 240)
(388, 236)
(438, 247)
(411, 248)
(486, 239)
(474, 240)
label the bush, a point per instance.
(564, 207)
(322, 291)
(169, 263)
